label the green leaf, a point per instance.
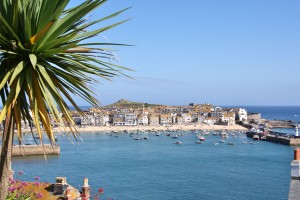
(33, 60)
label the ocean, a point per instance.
(157, 168)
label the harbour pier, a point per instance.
(26, 150)
(277, 137)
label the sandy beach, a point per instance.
(105, 129)
(173, 127)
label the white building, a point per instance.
(210, 120)
(242, 114)
(229, 118)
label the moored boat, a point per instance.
(178, 142)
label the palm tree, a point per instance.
(45, 56)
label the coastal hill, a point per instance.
(123, 103)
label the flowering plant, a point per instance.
(18, 190)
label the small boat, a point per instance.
(255, 137)
(56, 139)
(168, 134)
(231, 143)
(178, 142)
(263, 137)
(137, 138)
(224, 135)
(244, 142)
(145, 138)
(202, 138)
(175, 136)
(131, 135)
(215, 143)
(198, 142)
(158, 134)
(117, 135)
(222, 141)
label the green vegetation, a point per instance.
(45, 57)
(123, 103)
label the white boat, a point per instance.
(222, 141)
(158, 134)
(202, 138)
(175, 136)
(178, 142)
(215, 143)
(198, 142)
(255, 137)
(224, 135)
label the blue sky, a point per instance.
(224, 52)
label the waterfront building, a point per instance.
(179, 119)
(186, 118)
(130, 119)
(117, 119)
(165, 119)
(242, 114)
(216, 112)
(153, 120)
(101, 118)
(88, 119)
(211, 120)
(229, 118)
(142, 119)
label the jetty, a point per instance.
(26, 150)
(276, 137)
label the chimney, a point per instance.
(60, 185)
(85, 195)
(68, 195)
(294, 192)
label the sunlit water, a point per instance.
(159, 169)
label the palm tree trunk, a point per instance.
(5, 159)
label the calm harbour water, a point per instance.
(158, 169)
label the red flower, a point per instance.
(101, 190)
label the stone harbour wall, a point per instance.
(25, 150)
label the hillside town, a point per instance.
(161, 115)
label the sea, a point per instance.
(158, 169)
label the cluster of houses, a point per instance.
(160, 115)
